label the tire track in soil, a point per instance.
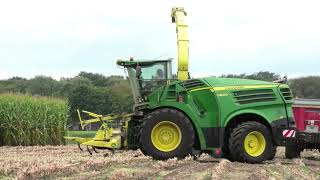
(152, 169)
(193, 170)
(170, 169)
(235, 170)
(109, 171)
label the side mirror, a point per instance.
(283, 80)
(138, 71)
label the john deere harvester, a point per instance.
(174, 117)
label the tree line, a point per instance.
(112, 94)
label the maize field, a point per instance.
(28, 120)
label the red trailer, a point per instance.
(307, 117)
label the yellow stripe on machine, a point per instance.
(224, 88)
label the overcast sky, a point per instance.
(60, 38)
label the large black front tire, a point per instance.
(174, 117)
(237, 143)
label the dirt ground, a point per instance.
(68, 162)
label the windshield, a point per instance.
(155, 71)
(152, 77)
(147, 76)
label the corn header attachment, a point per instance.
(111, 135)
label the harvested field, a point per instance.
(68, 162)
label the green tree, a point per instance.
(121, 95)
(88, 97)
(113, 80)
(14, 84)
(43, 86)
(262, 75)
(306, 87)
(67, 86)
(95, 78)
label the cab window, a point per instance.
(155, 71)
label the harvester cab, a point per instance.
(146, 76)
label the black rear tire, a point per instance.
(237, 140)
(292, 152)
(225, 149)
(168, 115)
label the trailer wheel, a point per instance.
(166, 133)
(251, 142)
(292, 152)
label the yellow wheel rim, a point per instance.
(254, 143)
(166, 136)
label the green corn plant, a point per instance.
(29, 120)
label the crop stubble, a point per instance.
(67, 162)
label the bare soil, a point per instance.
(68, 162)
